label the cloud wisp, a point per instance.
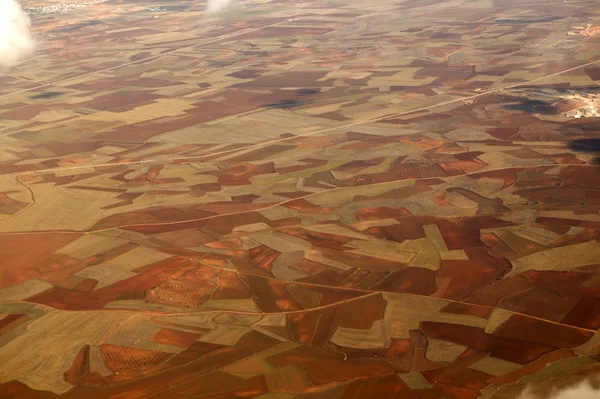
(16, 41)
(215, 6)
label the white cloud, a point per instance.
(215, 6)
(16, 42)
(583, 390)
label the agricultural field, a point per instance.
(301, 199)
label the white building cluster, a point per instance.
(61, 7)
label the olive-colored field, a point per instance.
(302, 200)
